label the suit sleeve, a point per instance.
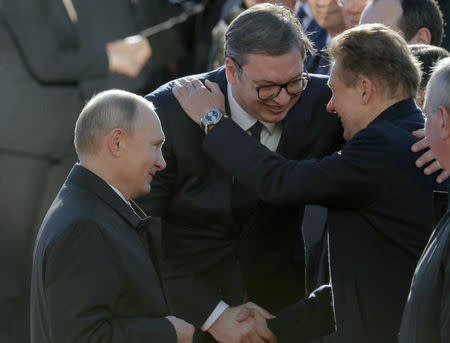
(82, 286)
(48, 42)
(344, 179)
(307, 319)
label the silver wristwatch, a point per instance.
(211, 117)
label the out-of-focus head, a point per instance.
(119, 137)
(373, 68)
(351, 11)
(287, 3)
(265, 46)
(437, 111)
(328, 15)
(418, 21)
(428, 56)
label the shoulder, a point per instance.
(164, 92)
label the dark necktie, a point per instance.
(255, 130)
(243, 200)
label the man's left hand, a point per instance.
(196, 98)
(428, 157)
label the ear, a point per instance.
(423, 36)
(115, 141)
(444, 123)
(231, 70)
(366, 88)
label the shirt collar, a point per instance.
(241, 117)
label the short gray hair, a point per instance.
(104, 112)
(438, 88)
(265, 29)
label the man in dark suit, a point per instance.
(379, 208)
(94, 278)
(211, 225)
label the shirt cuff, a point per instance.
(221, 306)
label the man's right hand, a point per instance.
(253, 329)
(184, 330)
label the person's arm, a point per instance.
(82, 286)
(304, 320)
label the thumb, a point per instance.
(213, 87)
(243, 314)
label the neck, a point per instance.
(102, 171)
(334, 32)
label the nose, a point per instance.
(330, 106)
(283, 97)
(160, 162)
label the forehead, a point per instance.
(276, 69)
(385, 12)
(334, 79)
(355, 4)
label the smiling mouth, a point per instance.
(275, 109)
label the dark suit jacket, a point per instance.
(93, 277)
(379, 211)
(193, 195)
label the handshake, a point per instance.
(303, 321)
(128, 56)
(245, 323)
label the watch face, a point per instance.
(212, 116)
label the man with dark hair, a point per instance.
(94, 278)
(379, 208)
(428, 56)
(418, 21)
(212, 226)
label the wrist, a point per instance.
(210, 118)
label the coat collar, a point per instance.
(89, 181)
(398, 110)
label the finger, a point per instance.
(425, 158)
(265, 334)
(178, 91)
(185, 83)
(196, 83)
(442, 176)
(253, 337)
(243, 314)
(432, 168)
(213, 87)
(263, 312)
(419, 133)
(420, 145)
(261, 326)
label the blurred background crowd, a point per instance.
(56, 54)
